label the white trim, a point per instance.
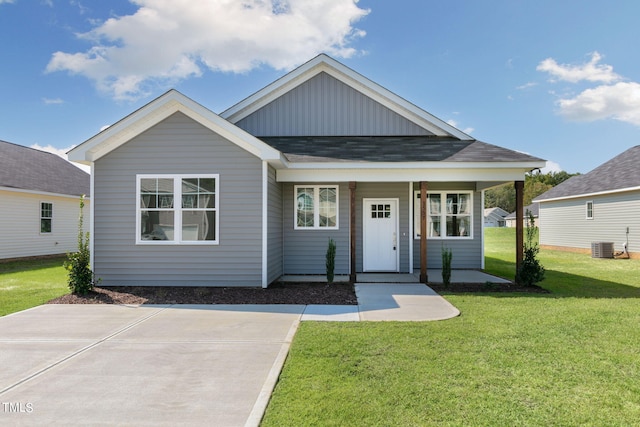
(40, 193)
(364, 230)
(482, 231)
(324, 63)
(316, 207)
(265, 222)
(598, 193)
(410, 231)
(40, 217)
(374, 174)
(443, 215)
(177, 210)
(92, 219)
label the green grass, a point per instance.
(569, 358)
(26, 284)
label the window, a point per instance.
(449, 214)
(178, 209)
(46, 217)
(316, 207)
(589, 206)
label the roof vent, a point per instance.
(601, 249)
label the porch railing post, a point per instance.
(423, 232)
(352, 230)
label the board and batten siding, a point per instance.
(20, 224)
(324, 106)
(305, 250)
(564, 223)
(178, 145)
(274, 227)
(384, 190)
(466, 253)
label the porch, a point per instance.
(434, 275)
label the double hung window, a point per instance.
(46, 217)
(178, 209)
(449, 214)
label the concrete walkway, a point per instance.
(168, 364)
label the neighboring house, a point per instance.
(39, 202)
(494, 217)
(600, 206)
(510, 219)
(183, 196)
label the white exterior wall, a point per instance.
(20, 224)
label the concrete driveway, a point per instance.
(142, 365)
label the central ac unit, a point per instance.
(602, 250)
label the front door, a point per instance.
(380, 235)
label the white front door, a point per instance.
(380, 235)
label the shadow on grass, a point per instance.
(563, 284)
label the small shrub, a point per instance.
(530, 271)
(331, 260)
(447, 255)
(81, 279)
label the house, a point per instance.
(39, 202)
(533, 208)
(184, 196)
(600, 206)
(494, 217)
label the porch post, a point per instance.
(519, 185)
(352, 230)
(423, 232)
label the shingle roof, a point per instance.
(618, 173)
(30, 169)
(391, 149)
(534, 208)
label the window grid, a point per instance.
(449, 215)
(46, 217)
(316, 207)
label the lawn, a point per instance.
(26, 284)
(568, 358)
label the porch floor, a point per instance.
(434, 275)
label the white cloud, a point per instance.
(454, 123)
(7, 1)
(62, 152)
(526, 85)
(620, 101)
(551, 166)
(167, 40)
(52, 101)
(591, 71)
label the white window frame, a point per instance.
(586, 209)
(443, 214)
(177, 210)
(50, 218)
(316, 207)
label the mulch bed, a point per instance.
(278, 293)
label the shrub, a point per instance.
(447, 255)
(81, 279)
(331, 260)
(530, 271)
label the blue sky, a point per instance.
(558, 79)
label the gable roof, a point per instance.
(534, 208)
(24, 168)
(618, 174)
(156, 111)
(324, 63)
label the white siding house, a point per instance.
(39, 202)
(600, 206)
(494, 217)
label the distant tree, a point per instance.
(503, 196)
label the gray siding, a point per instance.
(274, 228)
(563, 223)
(178, 145)
(305, 250)
(325, 106)
(466, 253)
(373, 190)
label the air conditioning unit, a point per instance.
(602, 250)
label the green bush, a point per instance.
(530, 271)
(447, 256)
(331, 260)
(81, 278)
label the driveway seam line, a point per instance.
(78, 352)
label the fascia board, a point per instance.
(41, 193)
(154, 113)
(583, 195)
(524, 166)
(400, 175)
(351, 78)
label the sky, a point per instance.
(558, 79)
